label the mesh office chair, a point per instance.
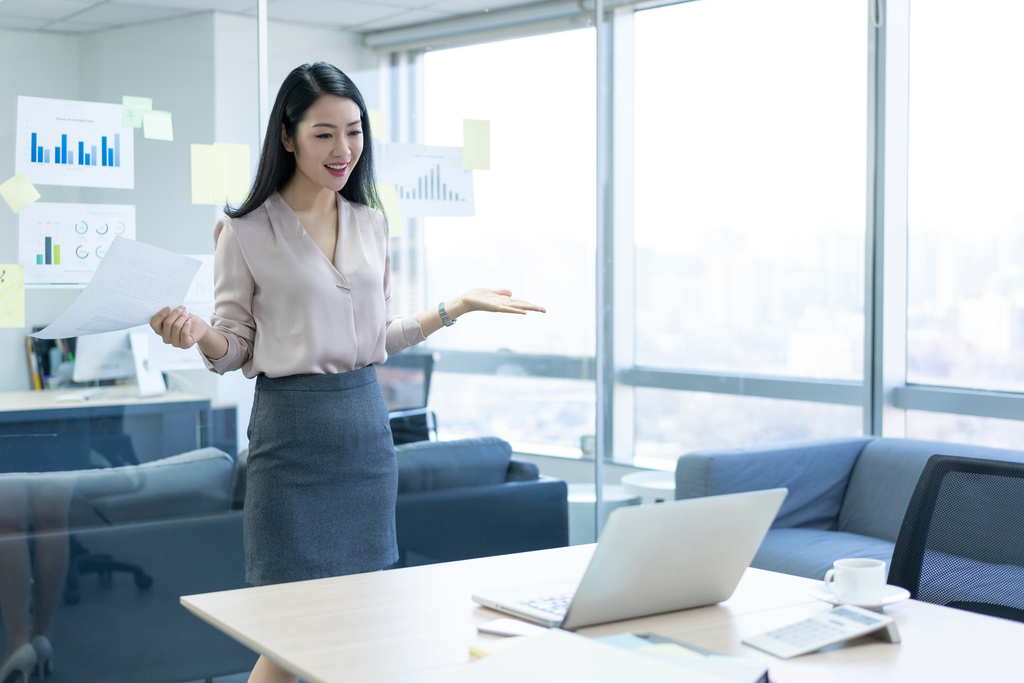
(962, 539)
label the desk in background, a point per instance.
(416, 624)
(156, 427)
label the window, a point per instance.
(749, 188)
(965, 318)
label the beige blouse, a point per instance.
(286, 309)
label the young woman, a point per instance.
(303, 303)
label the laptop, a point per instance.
(652, 559)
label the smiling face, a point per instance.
(327, 142)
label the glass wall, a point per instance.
(532, 231)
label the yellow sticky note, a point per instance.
(156, 125)
(230, 173)
(132, 109)
(378, 124)
(202, 174)
(18, 192)
(476, 145)
(388, 194)
(12, 295)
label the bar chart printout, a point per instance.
(67, 142)
(61, 245)
(429, 180)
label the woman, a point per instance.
(303, 303)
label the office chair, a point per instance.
(962, 540)
(405, 382)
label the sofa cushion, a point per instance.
(815, 472)
(884, 478)
(811, 552)
(434, 465)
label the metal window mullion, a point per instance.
(262, 69)
(885, 304)
(604, 270)
(623, 247)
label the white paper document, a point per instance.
(199, 302)
(131, 284)
(429, 180)
(61, 245)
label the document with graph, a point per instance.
(429, 180)
(68, 142)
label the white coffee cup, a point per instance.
(857, 580)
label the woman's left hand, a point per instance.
(497, 301)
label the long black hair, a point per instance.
(300, 91)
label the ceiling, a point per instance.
(361, 16)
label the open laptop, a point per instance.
(652, 559)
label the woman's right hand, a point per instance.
(179, 328)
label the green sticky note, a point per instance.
(202, 174)
(18, 192)
(230, 173)
(476, 145)
(12, 295)
(378, 124)
(156, 125)
(132, 109)
(388, 194)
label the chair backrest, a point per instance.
(405, 380)
(962, 540)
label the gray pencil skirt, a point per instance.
(321, 479)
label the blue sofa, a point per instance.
(847, 497)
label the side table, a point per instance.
(654, 486)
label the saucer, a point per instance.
(890, 594)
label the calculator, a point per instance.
(835, 626)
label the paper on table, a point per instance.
(378, 124)
(202, 174)
(559, 656)
(156, 125)
(18, 192)
(199, 302)
(12, 295)
(132, 109)
(389, 199)
(476, 145)
(131, 284)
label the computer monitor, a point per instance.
(405, 380)
(103, 356)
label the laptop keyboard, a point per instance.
(552, 604)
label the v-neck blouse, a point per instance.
(286, 309)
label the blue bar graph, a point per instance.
(108, 155)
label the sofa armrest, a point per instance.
(815, 472)
(479, 521)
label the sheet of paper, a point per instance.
(202, 174)
(61, 245)
(627, 641)
(429, 180)
(558, 656)
(132, 109)
(156, 125)
(18, 192)
(230, 173)
(151, 382)
(378, 124)
(133, 282)
(12, 295)
(198, 301)
(389, 198)
(74, 143)
(476, 145)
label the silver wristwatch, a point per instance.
(448, 322)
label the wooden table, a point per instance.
(416, 624)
